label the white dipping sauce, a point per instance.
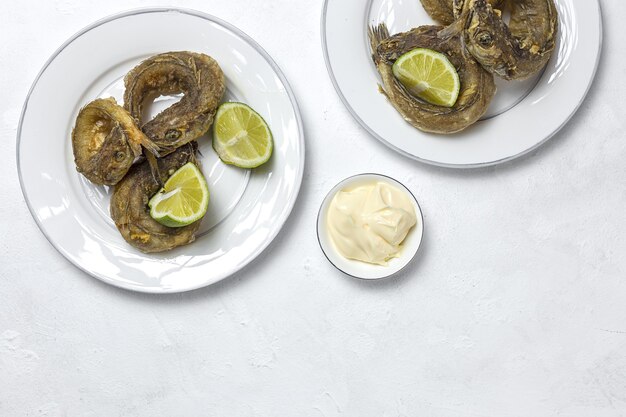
(369, 222)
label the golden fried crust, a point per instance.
(477, 85)
(200, 79)
(515, 51)
(129, 205)
(447, 11)
(105, 142)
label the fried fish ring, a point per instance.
(515, 51)
(447, 11)
(106, 141)
(129, 204)
(198, 76)
(477, 85)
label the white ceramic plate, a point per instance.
(364, 270)
(522, 116)
(247, 208)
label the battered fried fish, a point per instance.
(129, 204)
(197, 76)
(447, 11)
(515, 51)
(106, 141)
(477, 85)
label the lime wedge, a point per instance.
(183, 199)
(241, 137)
(428, 75)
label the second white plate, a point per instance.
(522, 116)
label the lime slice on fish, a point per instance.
(183, 199)
(241, 137)
(428, 75)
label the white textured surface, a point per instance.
(516, 306)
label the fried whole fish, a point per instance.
(106, 141)
(513, 52)
(129, 204)
(198, 76)
(447, 11)
(477, 85)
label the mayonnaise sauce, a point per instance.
(369, 222)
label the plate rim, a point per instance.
(404, 153)
(210, 18)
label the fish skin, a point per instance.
(106, 141)
(446, 12)
(201, 80)
(440, 10)
(515, 51)
(129, 204)
(477, 85)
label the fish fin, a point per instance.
(453, 29)
(154, 167)
(150, 146)
(135, 147)
(382, 91)
(377, 34)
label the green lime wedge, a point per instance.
(241, 137)
(183, 199)
(428, 75)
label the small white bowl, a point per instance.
(364, 270)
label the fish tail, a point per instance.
(377, 34)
